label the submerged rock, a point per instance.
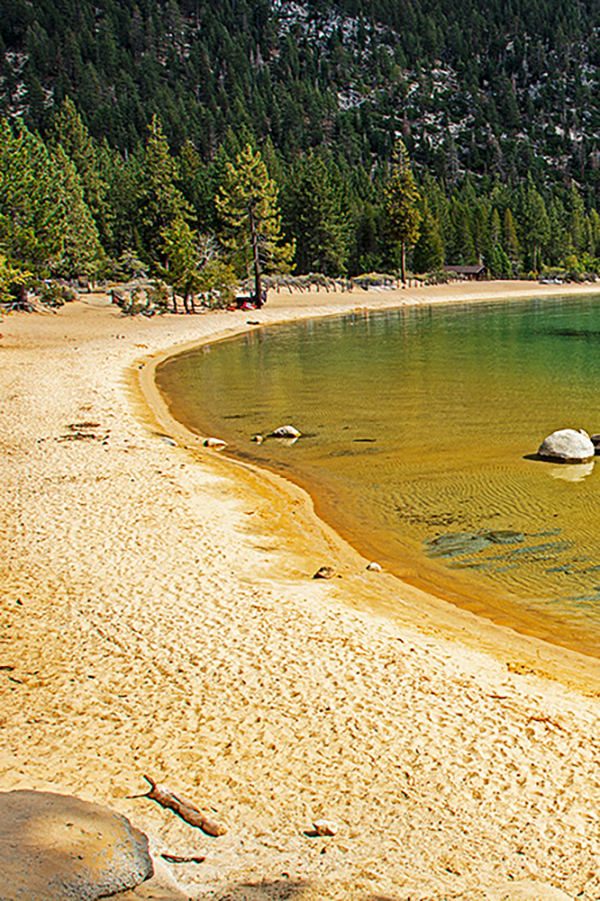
(459, 544)
(504, 536)
(567, 446)
(59, 848)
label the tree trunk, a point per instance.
(175, 310)
(257, 282)
(403, 262)
(186, 296)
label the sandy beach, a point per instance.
(158, 617)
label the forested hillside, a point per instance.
(497, 103)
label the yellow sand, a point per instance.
(158, 613)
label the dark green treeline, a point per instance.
(495, 103)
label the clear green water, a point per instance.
(416, 428)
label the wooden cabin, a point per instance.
(470, 273)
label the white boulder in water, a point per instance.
(286, 431)
(568, 446)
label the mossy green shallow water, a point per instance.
(417, 426)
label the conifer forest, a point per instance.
(205, 143)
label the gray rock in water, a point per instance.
(567, 446)
(460, 544)
(58, 848)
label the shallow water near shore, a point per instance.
(417, 429)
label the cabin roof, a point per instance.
(459, 269)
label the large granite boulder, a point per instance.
(59, 848)
(567, 446)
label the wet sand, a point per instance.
(158, 616)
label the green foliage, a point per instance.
(158, 296)
(184, 259)
(53, 294)
(317, 216)
(428, 254)
(402, 204)
(31, 210)
(513, 86)
(81, 252)
(247, 205)
(12, 280)
(218, 283)
(73, 137)
(130, 267)
(44, 221)
(159, 203)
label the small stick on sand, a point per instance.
(182, 807)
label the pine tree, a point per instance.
(317, 217)
(428, 254)
(401, 204)
(576, 219)
(510, 241)
(560, 240)
(534, 223)
(31, 210)
(81, 252)
(460, 247)
(250, 220)
(75, 140)
(184, 259)
(594, 249)
(498, 261)
(159, 202)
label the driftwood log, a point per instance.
(183, 808)
(175, 858)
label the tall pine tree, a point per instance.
(247, 204)
(402, 204)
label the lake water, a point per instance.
(417, 424)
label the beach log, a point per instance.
(183, 808)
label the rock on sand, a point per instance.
(58, 848)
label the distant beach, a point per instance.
(159, 616)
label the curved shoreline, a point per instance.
(158, 616)
(476, 621)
